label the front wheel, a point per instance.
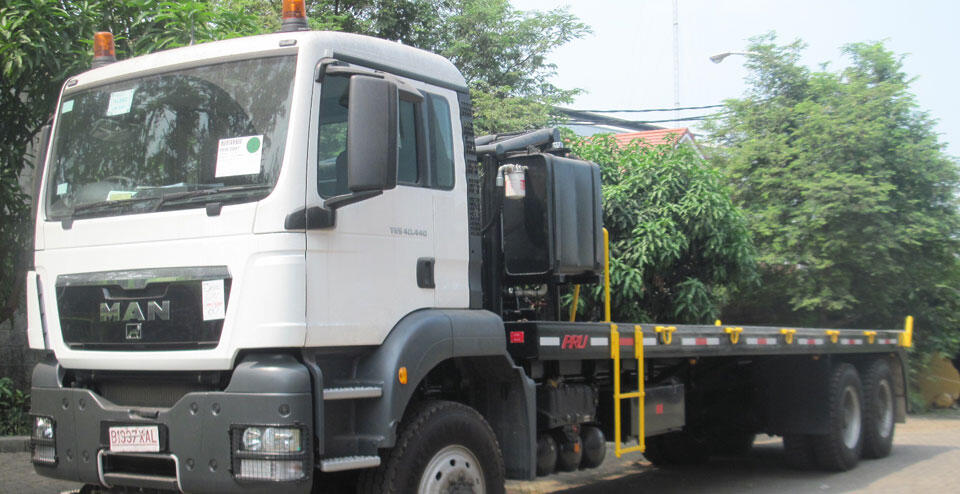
(442, 447)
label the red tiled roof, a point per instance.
(653, 137)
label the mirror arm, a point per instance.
(312, 218)
(343, 199)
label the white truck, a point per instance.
(273, 263)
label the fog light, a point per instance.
(276, 470)
(43, 441)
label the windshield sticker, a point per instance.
(62, 188)
(119, 195)
(213, 306)
(67, 106)
(120, 102)
(239, 156)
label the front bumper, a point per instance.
(196, 451)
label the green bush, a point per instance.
(14, 405)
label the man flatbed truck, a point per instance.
(271, 263)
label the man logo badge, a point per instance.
(134, 331)
(155, 311)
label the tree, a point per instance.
(42, 42)
(677, 242)
(850, 197)
(500, 51)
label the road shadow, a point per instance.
(761, 471)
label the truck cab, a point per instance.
(224, 231)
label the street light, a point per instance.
(721, 56)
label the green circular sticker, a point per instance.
(253, 144)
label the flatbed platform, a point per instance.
(556, 340)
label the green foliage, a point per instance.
(42, 42)
(677, 242)
(500, 51)
(851, 199)
(14, 407)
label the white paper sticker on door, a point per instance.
(214, 306)
(239, 156)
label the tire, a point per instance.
(878, 414)
(798, 452)
(441, 446)
(547, 452)
(677, 448)
(594, 446)
(569, 450)
(839, 449)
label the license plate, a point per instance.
(135, 438)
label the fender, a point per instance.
(424, 339)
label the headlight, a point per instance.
(251, 439)
(271, 440)
(43, 442)
(43, 428)
(281, 440)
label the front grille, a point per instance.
(146, 389)
(157, 309)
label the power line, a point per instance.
(701, 117)
(704, 107)
(584, 121)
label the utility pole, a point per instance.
(676, 60)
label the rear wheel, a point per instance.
(442, 447)
(878, 416)
(839, 449)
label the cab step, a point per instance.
(349, 463)
(352, 393)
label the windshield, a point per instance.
(176, 139)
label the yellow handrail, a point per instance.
(606, 275)
(618, 396)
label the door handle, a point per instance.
(425, 267)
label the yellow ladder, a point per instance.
(619, 396)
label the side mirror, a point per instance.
(372, 151)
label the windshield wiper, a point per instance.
(93, 207)
(204, 195)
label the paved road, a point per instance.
(925, 459)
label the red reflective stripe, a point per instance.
(516, 337)
(701, 341)
(627, 341)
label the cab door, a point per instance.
(362, 273)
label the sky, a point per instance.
(627, 63)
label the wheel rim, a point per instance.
(885, 404)
(452, 470)
(851, 418)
